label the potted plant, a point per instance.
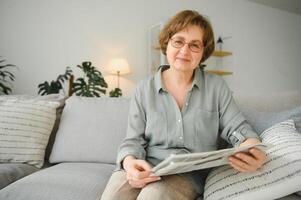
(56, 85)
(92, 84)
(6, 78)
(116, 92)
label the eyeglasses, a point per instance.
(194, 46)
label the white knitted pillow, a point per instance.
(25, 126)
(280, 175)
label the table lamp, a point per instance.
(119, 66)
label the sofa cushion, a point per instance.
(263, 120)
(10, 172)
(68, 181)
(25, 126)
(290, 197)
(280, 174)
(91, 130)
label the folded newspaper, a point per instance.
(180, 163)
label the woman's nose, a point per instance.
(185, 48)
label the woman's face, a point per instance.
(187, 57)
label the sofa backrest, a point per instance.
(263, 111)
(90, 130)
(270, 102)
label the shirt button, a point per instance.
(186, 104)
(179, 120)
(181, 138)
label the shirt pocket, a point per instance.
(206, 126)
(156, 128)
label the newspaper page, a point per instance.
(180, 163)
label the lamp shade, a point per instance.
(119, 66)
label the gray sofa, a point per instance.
(80, 155)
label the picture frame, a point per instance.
(155, 56)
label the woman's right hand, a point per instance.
(138, 172)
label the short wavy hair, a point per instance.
(180, 22)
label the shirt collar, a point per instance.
(158, 78)
(197, 79)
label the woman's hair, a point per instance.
(181, 21)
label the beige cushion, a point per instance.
(25, 126)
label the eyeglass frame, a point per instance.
(189, 45)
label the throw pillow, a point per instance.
(262, 120)
(25, 126)
(279, 176)
(91, 129)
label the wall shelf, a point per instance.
(221, 53)
(219, 72)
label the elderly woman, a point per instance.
(180, 109)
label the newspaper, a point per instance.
(180, 163)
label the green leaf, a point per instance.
(55, 85)
(116, 92)
(7, 78)
(93, 85)
(5, 89)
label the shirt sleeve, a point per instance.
(234, 127)
(134, 144)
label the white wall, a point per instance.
(43, 37)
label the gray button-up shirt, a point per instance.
(158, 128)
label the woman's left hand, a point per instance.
(249, 161)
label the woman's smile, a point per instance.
(183, 59)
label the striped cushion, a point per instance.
(25, 126)
(280, 175)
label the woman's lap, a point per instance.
(169, 187)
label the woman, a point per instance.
(180, 109)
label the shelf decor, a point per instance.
(220, 53)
